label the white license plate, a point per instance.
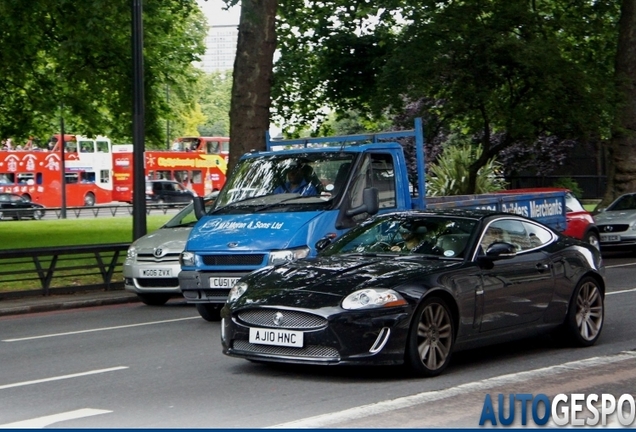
(161, 273)
(223, 282)
(278, 337)
(610, 238)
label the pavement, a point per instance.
(31, 304)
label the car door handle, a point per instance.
(542, 266)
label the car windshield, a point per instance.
(625, 202)
(313, 178)
(430, 235)
(572, 204)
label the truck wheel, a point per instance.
(154, 299)
(431, 338)
(89, 200)
(209, 312)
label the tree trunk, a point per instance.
(251, 86)
(622, 175)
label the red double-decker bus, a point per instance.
(36, 173)
(199, 163)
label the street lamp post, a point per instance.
(139, 181)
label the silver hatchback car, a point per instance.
(617, 223)
(151, 268)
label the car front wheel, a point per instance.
(592, 238)
(209, 312)
(38, 214)
(431, 338)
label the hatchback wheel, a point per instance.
(592, 238)
(584, 321)
(431, 338)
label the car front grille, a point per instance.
(609, 229)
(288, 319)
(233, 259)
(311, 351)
(150, 258)
(158, 282)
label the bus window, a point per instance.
(26, 178)
(104, 176)
(72, 177)
(70, 146)
(163, 175)
(86, 146)
(7, 178)
(213, 147)
(197, 177)
(182, 176)
(102, 147)
(226, 146)
(88, 177)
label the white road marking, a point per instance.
(620, 265)
(62, 377)
(99, 329)
(621, 292)
(41, 422)
(325, 420)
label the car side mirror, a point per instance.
(370, 203)
(322, 243)
(199, 207)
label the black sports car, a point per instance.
(414, 288)
(18, 207)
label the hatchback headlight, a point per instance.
(131, 253)
(287, 255)
(236, 291)
(373, 298)
(186, 259)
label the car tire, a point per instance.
(209, 312)
(154, 299)
(38, 214)
(593, 239)
(431, 338)
(585, 317)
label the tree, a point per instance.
(215, 97)
(251, 85)
(78, 54)
(622, 175)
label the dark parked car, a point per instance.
(17, 207)
(471, 279)
(168, 192)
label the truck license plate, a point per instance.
(161, 273)
(223, 282)
(610, 238)
(277, 337)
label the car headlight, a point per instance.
(287, 255)
(186, 259)
(373, 298)
(236, 291)
(131, 253)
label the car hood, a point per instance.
(255, 231)
(169, 239)
(325, 281)
(615, 217)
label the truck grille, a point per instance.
(234, 259)
(289, 319)
(312, 351)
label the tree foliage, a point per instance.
(215, 96)
(77, 55)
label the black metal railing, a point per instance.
(57, 270)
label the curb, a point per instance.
(64, 304)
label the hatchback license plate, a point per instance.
(157, 273)
(610, 238)
(277, 337)
(223, 282)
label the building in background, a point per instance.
(220, 48)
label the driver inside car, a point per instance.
(296, 183)
(410, 240)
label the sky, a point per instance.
(213, 10)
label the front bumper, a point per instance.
(372, 337)
(151, 278)
(196, 286)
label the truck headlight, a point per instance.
(236, 291)
(373, 298)
(287, 255)
(186, 259)
(131, 253)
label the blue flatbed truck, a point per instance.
(261, 218)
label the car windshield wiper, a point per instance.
(266, 206)
(234, 204)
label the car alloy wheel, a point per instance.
(431, 338)
(584, 321)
